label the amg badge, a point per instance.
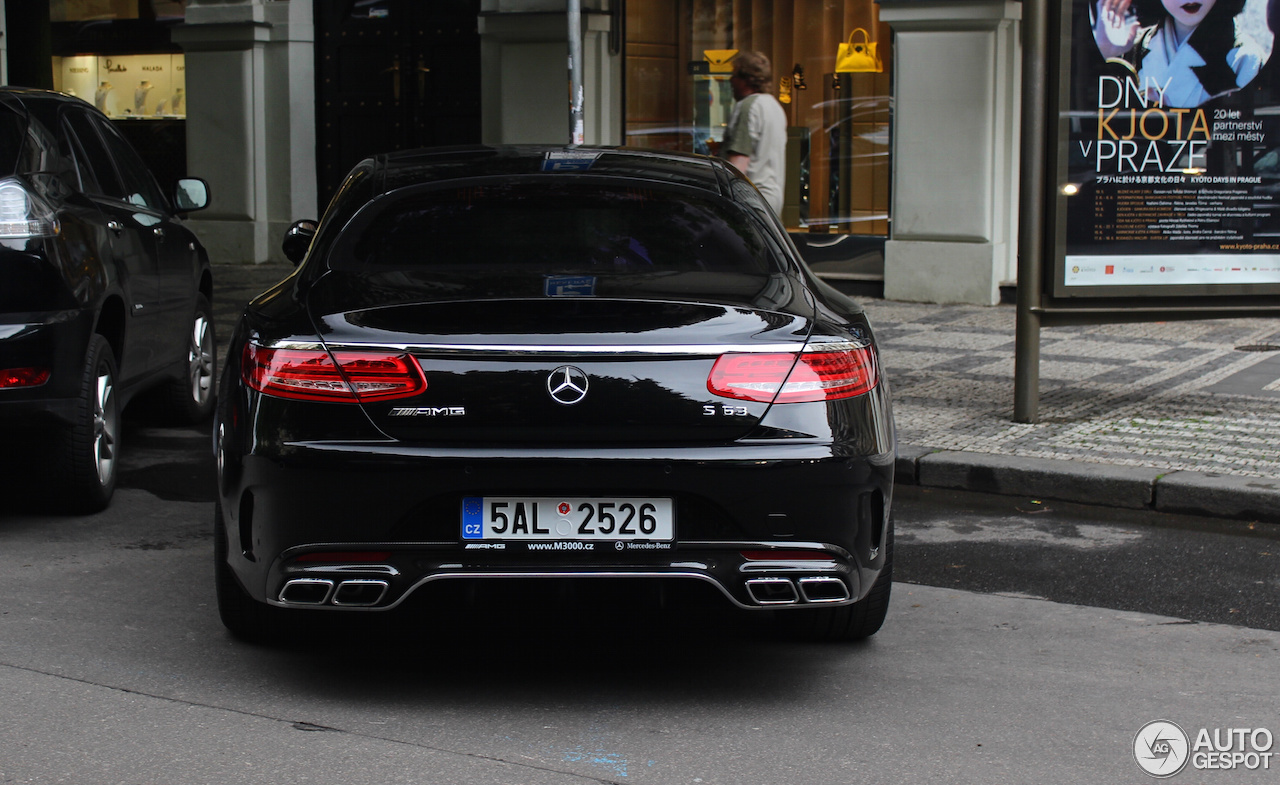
(428, 411)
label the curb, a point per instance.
(1099, 484)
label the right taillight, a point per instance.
(822, 373)
(343, 376)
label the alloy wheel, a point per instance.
(200, 360)
(106, 424)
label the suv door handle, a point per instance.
(158, 232)
(116, 227)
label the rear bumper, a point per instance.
(56, 341)
(401, 508)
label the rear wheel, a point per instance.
(84, 455)
(245, 617)
(853, 622)
(189, 398)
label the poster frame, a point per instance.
(1105, 303)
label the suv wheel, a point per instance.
(189, 398)
(85, 454)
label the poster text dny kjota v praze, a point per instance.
(1173, 147)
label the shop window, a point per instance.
(146, 86)
(837, 98)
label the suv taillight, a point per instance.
(22, 215)
(820, 374)
(23, 377)
(344, 376)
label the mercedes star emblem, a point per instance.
(567, 385)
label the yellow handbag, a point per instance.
(858, 57)
(721, 60)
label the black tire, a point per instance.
(853, 622)
(245, 617)
(189, 398)
(85, 455)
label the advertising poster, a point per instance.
(1171, 123)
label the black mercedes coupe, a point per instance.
(552, 363)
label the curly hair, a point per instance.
(754, 69)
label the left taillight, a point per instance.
(23, 377)
(341, 376)
(22, 214)
(821, 373)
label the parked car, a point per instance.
(561, 363)
(104, 294)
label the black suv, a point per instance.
(104, 294)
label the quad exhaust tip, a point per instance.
(823, 589)
(784, 591)
(307, 591)
(361, 593)
(773, 591)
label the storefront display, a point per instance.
(832, 63)
(126, 86)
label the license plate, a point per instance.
(548, 518)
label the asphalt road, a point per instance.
(115, 669)
(1199, 569)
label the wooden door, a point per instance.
(393, 75)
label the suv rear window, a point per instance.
(557, 228)
(13, 141)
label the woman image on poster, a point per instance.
(1183, 52)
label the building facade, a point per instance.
(902, 137)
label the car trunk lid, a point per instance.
(566, 370)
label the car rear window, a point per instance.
(557, 228)
(13, 141)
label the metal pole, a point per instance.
(575, 72)
(1031, 204)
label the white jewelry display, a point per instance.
(140, 97)
(100, 96)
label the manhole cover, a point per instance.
(1259, 347)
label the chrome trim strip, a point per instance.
(796, 565)
(358, 568)
(572, 574)
(687, 350)
(552, 574)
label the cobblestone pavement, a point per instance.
(1170, 396)
(1200, 396)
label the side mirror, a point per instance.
(190, 194)
(297, 240)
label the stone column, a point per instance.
(524, 69)
(250, 74)
(957, 71)
(4, 47)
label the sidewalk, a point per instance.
(1178, 416)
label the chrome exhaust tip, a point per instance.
(772, 591)
(361, 593)
(306, 591)
(825, 589)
